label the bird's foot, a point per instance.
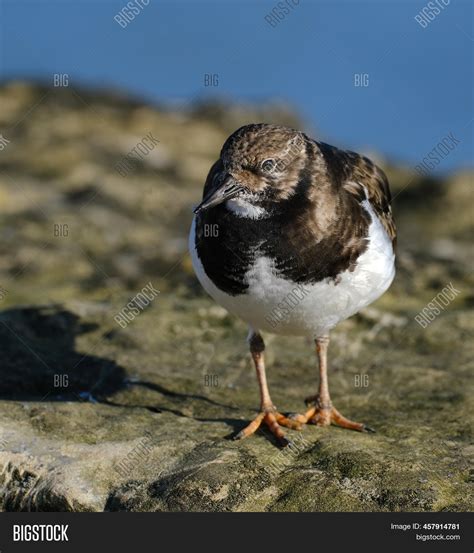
(324, 414)
(274, 421)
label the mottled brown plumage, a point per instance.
(290, 211)
(361, 177)
(245, 150)
(315, 187)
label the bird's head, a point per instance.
(259, 165)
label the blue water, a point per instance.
(420, 85)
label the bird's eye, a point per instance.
(268, 165)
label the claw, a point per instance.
(285, 442)
(368, 429)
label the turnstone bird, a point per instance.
(293, 236)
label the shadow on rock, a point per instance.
(39, 360)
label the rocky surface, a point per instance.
(97, 417)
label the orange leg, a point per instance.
(268, 413)
(322, 412)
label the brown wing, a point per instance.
(361, 178)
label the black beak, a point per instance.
(228, 189)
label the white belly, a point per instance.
(277, 305)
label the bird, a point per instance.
(293, 236)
